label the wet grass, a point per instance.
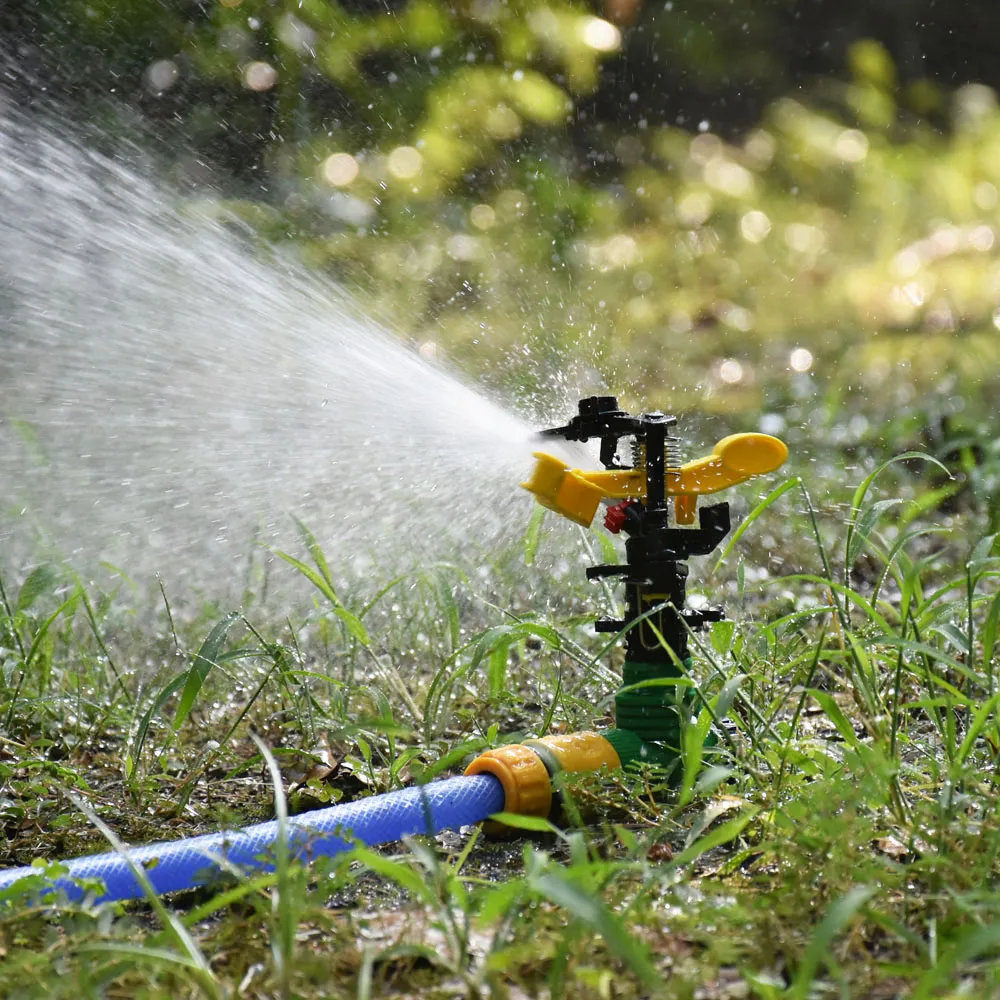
(842, 840)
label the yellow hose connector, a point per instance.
(586, 751)
(527, 787)
(525, 770)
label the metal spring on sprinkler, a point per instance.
(674, 456)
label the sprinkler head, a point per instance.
(654, 502)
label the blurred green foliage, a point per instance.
(460, 163)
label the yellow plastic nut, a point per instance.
(526, 784)
(685, 508)
(586, 751)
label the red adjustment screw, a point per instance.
(615, 517)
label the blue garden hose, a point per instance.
(184, 864)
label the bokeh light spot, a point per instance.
(800, 360)
(982, 238)
(161, 75)
(760, 146)
(695, 208)
(482, 216)
(731, 371)
(259, 76)
(754, 226)
(340, 169)
(463, 247)
(600, 35)
(985, 195)
(405, 162)
(804, 238)
(851, 145)
(728, 177)
(503, 122)
(906, 263)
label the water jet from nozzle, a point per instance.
(168, 396)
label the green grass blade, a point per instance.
(229, 897)
(857, 501)
(283, 903)
(862, 491)
(988, 636)
(41, 580)
(533, 534)
(715, 837)
(590, 910)
(858, 600)
(775, 494)
(353, 625)
(970, 945)
(862, 532)
(315, 578)
(833, 922)
(833, 712)
(317, 555)
(382, 591)
(144, 954)
(979, 721)
(205, 659)
(530, 824)
(188, 950)
(396, 871)
(142, 731)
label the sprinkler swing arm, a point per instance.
(576, 494)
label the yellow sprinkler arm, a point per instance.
(576, 494)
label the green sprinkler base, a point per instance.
(648, 714)
(649, 701)
(633, 750)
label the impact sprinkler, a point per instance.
(653, 500)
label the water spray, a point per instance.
(170, 395)
(653, 500)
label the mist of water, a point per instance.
(170, 398)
